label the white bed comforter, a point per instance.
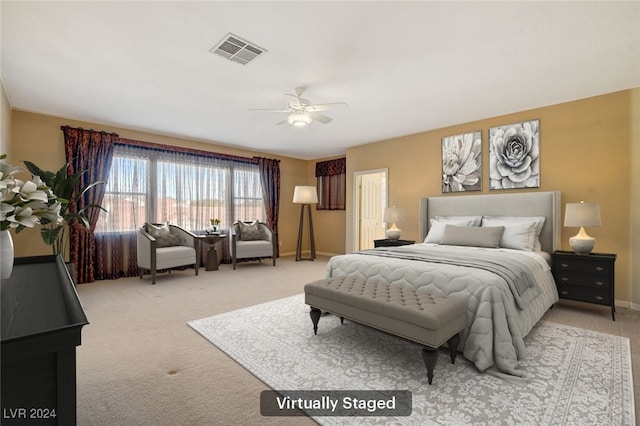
(496, 326)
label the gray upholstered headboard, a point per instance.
(545, 204)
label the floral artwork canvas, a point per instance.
(514, 155)
(462, 162)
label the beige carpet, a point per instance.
(140, 364)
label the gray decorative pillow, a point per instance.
(158, 230)
(168, 240)
(250, 231)
(488, 236)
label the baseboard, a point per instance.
(627, 304)
(307, 254)
(634, 306)
(324, 253)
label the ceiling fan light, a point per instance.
(299, 120)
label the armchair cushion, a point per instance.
(250, 231)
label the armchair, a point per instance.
(252, 240)
(165, 247)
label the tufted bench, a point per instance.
(400, 309)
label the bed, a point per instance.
(503, 304)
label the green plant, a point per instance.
(64, 187)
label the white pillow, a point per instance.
(437, 226)
(470, 220)
(520, 233)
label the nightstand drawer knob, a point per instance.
(599, 268)
(564, 265)
(564, 292)
(599, 283)
(564, 279)
(599, 297)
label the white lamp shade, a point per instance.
(393, 215)
(305, 195)
(582, 214)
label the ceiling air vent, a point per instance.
(237, 50)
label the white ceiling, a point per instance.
(403, 67)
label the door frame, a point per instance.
(356, 201)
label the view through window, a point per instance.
(184, 189)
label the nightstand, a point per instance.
(391, 243)
(586, 278)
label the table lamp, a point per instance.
(393, 215)
(582, 214)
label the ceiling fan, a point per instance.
(302, 112)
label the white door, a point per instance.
(371, 190)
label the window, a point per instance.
(332, 185)
(185, 189)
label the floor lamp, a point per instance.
(305, 196)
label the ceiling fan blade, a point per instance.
(325, 107)
(319, 117)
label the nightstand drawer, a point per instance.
(586, 265)
(584, 294)
(602, 281)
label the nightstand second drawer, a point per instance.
(598, 281)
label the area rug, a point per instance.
(574, 376)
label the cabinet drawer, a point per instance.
(587, 265)
(598, 281)
(584, 294)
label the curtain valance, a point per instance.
(331, 167)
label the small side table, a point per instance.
(391, 243)
(211, 263)
(586, 278)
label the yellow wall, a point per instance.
(38, 138)
(585, 149)
(5, 124)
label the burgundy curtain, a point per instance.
(90, 151)
(332, 184)
(270, 181)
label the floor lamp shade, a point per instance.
(580, 215)
(305, 196)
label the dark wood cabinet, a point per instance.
(391, 243)
(586, 278)
(42, 320)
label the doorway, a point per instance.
(370, 200)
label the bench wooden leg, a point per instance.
(453, 347)
(430, 357)
(315, 317)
